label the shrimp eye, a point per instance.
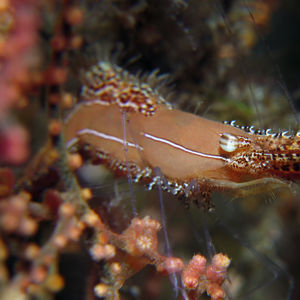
(228, 142)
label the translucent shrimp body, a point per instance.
(194, 155)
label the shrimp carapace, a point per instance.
(193, 155)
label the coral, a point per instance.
(50, 213)
(18, 40)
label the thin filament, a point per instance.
(173, 276)
(129, 177)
